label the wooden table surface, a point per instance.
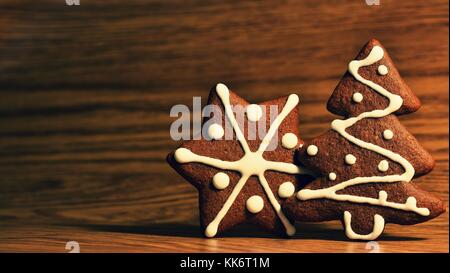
(86, 93)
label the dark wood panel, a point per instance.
(161, 45)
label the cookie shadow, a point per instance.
(304, 231)
(178, 230)
(315, 231)
(172, 229)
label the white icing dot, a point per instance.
(220, 180)
(312, 150)
(215, 131)
(388, 134)
(332, 176)
(383, 166)
(357, 97)
(350, 159)
(254, 112)
(286, 190)
(289, 141)
(255, 204)
(383, 70)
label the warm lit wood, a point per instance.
(86, 93)
(430, 237)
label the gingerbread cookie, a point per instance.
(368, 159)
(243, 179)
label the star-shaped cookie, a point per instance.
(243, 167)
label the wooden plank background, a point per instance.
(86, 92)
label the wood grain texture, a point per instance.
(86, 93)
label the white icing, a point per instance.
(340, 126)
(252, 163)
(220, 180)
(312, 150)
(383, 70)
(254, 112)
(383, 165)
(289, 141)
(215, 131)
(286, 190)
(388, 134)
(350, 159)
(357, 97)
(378, 227)
(332, 176)
(254, 204)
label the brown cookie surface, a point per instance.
(367, 159)
(245, 170)
(341, 101)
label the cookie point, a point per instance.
(182, 155)
(210, 231)
(221, 88)
(373, 41)
(382, 70)
(302, 194)
(294, 98)
(312, 150)
(290, 231)
(220, 180)
(378, 50)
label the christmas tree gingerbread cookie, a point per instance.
(367, 160)
(245, 173)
